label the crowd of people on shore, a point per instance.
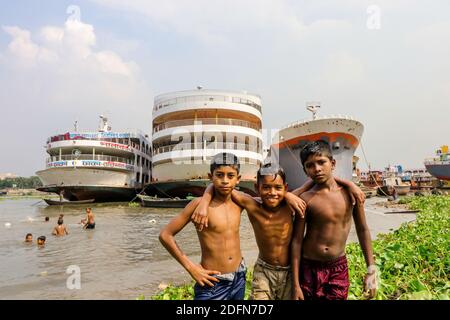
(61, 229)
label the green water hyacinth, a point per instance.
(413, 261)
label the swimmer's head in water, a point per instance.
(29, 237)
(47, 219)
(41, 240)
(60, 221)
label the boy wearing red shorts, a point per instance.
(319, 265)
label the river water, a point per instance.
(120, 259)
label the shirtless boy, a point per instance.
(272, 222)
(221, 272)
(60, 229)
(319, 265)
(89, 221)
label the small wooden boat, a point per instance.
(147, 201)
(66, 202)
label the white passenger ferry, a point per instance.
(190, 127)
(102, 165)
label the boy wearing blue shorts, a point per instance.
(221, 272)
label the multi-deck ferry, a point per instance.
(343, 133)
(102, 165)
(190, 127)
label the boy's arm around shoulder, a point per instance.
(200, 215)
(356, 194)
(245, 201)
(167, 239)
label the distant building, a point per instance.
(4, 176)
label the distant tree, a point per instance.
(21, 183)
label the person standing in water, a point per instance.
(90, 223)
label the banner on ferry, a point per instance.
(99, 135)
(90, 163)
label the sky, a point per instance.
(386, 63)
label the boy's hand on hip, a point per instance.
(203, 276)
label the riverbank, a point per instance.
(404, 273)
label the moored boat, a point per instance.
(103, 165)
(439, 166)
(154, 202)
(52, 202)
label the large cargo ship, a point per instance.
(103, 165)
(190, 127)
(342, 132)
(439, 166)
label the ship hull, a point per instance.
(343, 135)
(440, 171)
(184, 188)
(84, 184)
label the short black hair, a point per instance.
(28, 235)
(224, 159)
(47, 218)
(270, 169)
(41, 238)
(319, 147)
(60, 221)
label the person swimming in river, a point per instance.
(60, 229)
(89, 221)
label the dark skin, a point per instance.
(328, 220)
(89, 217)
(220, 244)
(271, 218)
(60, 230)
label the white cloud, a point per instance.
(56, 75)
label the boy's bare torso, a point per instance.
(60, 230)
(220, 242)
(328, 222)
(273, 231)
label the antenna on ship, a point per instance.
(75, 126)
(104, 127)
(313, 107)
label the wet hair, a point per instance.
(42, 238)
(319, 147)
(224, 159)
(28, 235)
(47, 218)
(60, 221)
(269, 169)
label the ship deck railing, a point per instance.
(206, 121)
(333, 116)
(162, 103)
(127, 141)
(89, 157)
(210, 145)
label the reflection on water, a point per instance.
(120, 259)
